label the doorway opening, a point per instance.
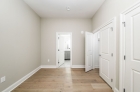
(64, 49)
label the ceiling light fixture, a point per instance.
(68, 8)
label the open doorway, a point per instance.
(64, 49)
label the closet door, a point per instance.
(88, 51)
(96, 49)
(106, 54)
(132, 47)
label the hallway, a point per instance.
(64, 80)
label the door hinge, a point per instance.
(112, 54)
(58, 62)
(58, 37)
(111, 80)
(124, 90)
(124, 24)
(124, 57)
(58, 49)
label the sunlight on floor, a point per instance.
(66, 64)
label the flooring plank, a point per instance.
(64, 80)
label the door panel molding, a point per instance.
(105, 63)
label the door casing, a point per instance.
(57, 35)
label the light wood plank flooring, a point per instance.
(64, 80)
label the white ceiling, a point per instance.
(57, 8)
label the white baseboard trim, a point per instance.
(48, 66)
(13, 86)
(78, 66)
(116, 90)
(96, 66)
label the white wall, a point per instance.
(48, 38)
(108, 10)
(19, 41)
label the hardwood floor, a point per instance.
(64, 80)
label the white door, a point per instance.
(61, 49)
(95, 50)
(132, 50)
(97, 44)
(88, 51)
(106, 54)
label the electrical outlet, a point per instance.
(48, 60)
(3, 79)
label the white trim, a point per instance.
(132, 7)
(14, 85)
(115, 48)
(78, 66)
(113, 20)
(57, 47)
(122, 53)
(48, 66)
(106, 23)
(122, 44)
(116, 90)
